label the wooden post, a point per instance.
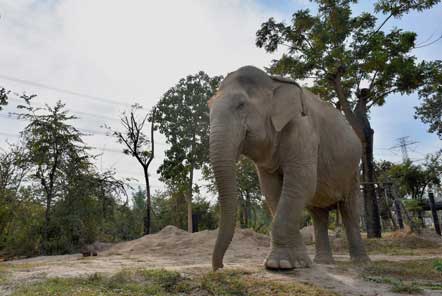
(410, 222)
(397, 205)
(434, 213)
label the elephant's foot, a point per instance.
(360, 259)
(324, 259)
(287, 258)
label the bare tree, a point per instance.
(139, 146)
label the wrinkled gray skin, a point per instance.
(306, 155)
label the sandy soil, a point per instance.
(176, 249)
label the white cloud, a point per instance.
(122, 50)
(134, 50)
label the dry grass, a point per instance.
(411, 276)
(398, 243)
(162, 282)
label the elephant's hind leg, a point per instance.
(350, 218)
(322, 243)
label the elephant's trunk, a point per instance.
(223, 152)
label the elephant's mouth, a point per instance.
(242, 145)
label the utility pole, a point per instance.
(403, 143)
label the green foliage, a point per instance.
(338, 49)
(3, 97)
(398, 8)
(65, 202)
(430, 111)
(169, 208)
(437, 265)
(413, 179)
(21, 234)
(252, 212)
(182, 116)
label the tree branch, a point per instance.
(152, 149)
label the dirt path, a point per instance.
(191, 254)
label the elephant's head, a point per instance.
(249, 109)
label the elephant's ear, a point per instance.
(287, 104)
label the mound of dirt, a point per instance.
(176, 242)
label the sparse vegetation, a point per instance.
(3, 274)
(407, 245)
(406, 276)
(163, 282)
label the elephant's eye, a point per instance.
(240, 105)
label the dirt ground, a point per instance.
(189, 254)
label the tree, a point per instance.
(3, 97)
(51, 145)
(139, 209)
(354, 65)
(13, 168)
(430, 111)
(141, 148)
(183, 118)
(414, 180)
(248, 188)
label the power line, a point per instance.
(97, 116)
(61, 90)
(92, 132)
(92, 147)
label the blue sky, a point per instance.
(133, 51)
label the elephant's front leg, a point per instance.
(288, 250)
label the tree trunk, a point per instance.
(398, 211)
(103, 200)
(147, 219)
(434, 213)
(189, 202)
(242, 210)
(372, 218)
(247, 210)
(420, 215)
(358, 119)
(46, 225)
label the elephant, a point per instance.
(306, 155)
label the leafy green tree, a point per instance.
(430, 111)
(354, 64)
(248, 188)
(169, 208)
(13, 168)
(413, 180)
(138, 209)
(3, 97)
(51, 145)
(139, 146)
(182, 116)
